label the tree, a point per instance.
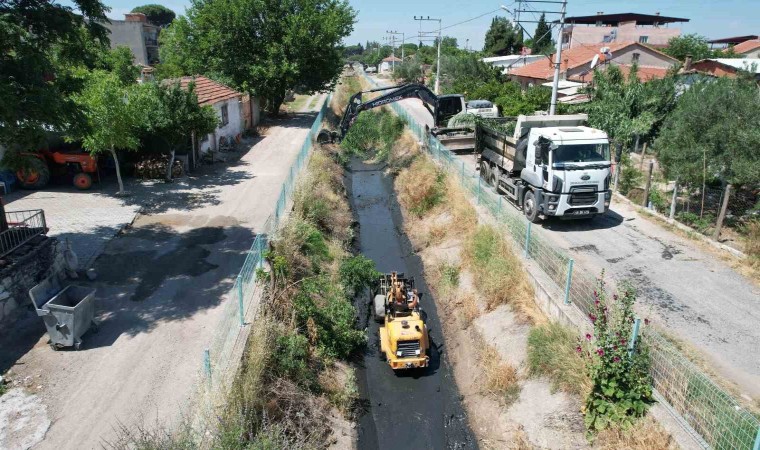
(409, 70)
(263, 47)
(714, 132)
(502, 38)
(542, 38)
(41, 42)
(158, 15)
(173, 114)
(112, 114)
(121, 62)
(693, 45)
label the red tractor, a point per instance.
(76, 163)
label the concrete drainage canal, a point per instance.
(419, 409)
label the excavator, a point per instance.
(441, 107)
(404, 337)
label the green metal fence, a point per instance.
(222, 357)
(708, 412)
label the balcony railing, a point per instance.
(22, 227)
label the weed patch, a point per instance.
(552, 353)
(500, 378)
(421, 186)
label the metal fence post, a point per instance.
(757, 440)
(527, 240)
(207, 363)
(480, 179)
(634, 336)
(500, 203)
(462, 170)
(241, 308)
(569, 280)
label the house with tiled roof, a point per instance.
(747, 49)
(237, 112)
(389, 63)
(576, 63)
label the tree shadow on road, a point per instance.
(148, 276)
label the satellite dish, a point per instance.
(595, 61)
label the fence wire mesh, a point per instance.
(222, 357)
(712, 413)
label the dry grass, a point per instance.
(338, 383)
(520, 441)
(551, 353)
(499, 378)
(469, 309)
(403, 152)
(646, 434)
(751, 240)
(421, 186)
(465, 218)
(499, 273)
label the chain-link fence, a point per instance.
(222, 357)
(708, 412)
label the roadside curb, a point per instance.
(640, 209)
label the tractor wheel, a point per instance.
(82, 181)
(35, 176)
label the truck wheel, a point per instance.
(530, 207)
(495, 174)
(36, 176)
(82, 181)
(485, 171)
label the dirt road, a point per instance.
(161, 287)
(412, 410)
(686, 290)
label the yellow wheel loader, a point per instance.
(404, 338)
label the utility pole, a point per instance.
(403, 38)
(438, 68)
(558, 60)
(392, 39)
(523, 6)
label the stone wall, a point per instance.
(24, 268)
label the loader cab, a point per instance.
(448, 107)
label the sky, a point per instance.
(711, 18)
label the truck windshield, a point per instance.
(577, 153)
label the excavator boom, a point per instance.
(400, 92)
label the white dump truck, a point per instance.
(551, 166)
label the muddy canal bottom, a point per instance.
(412, 410)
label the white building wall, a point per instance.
(129, 34)
(232, 129)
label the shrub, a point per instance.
(751, 231)
(658, 200)
(621, 384)
(551, 353)
(701, 224)
(630, 176)
(322, 310)
(357, 273)
(292, 357)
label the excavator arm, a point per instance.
(355, 106)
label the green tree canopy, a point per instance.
(173, 114)
(714, 132)
(541, 43)
(41, 42)
(158, 15)
(121, 62)
(113, 117)
(693, 45)
(502, 38)
(263, 47)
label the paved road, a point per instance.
(411, 410)
(687, 291)
(161, 290)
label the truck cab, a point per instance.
(448, 106)
(568, 170)
(551, 166)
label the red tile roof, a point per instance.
(571, 58)
(209, 91)
(643, 73)
(746, 46)
(582, 55)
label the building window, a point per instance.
(643, 39)
(636, 57)
(225, 116)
